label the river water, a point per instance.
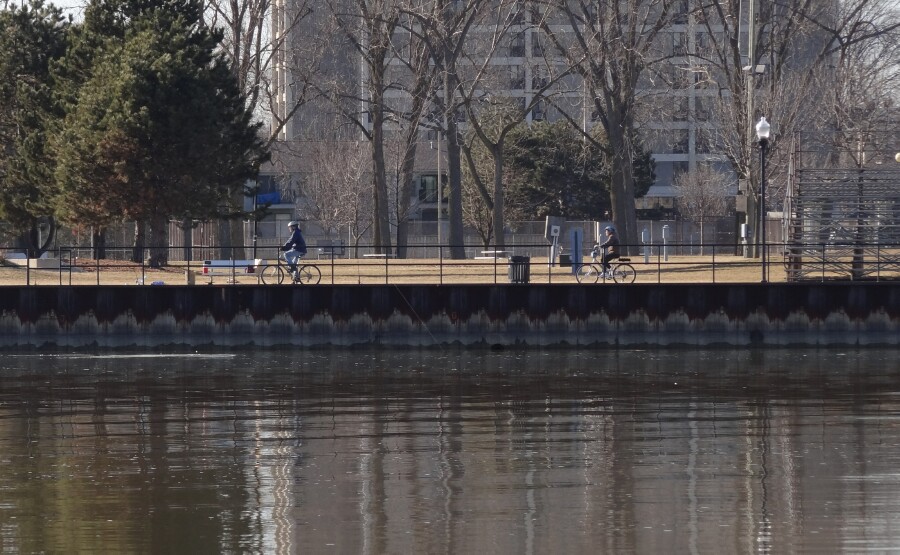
(451, 451)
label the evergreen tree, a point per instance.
(32, 36)
(159, 129)
(557, 173)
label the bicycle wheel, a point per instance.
(624, 273)
(587, 273)
(272, 275)
(309, 274)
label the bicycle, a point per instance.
(620, 271)
(275, 273)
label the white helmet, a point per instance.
(293, 223)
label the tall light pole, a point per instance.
(440, 191)
(762, 133)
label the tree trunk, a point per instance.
(223, 236)
(230, 232)
(158, 242)
(622, 187)
(455, 237)
(98, 242)
(753, 222)
(187, 231)
(497, 213)
(701, 235)
(410, 145)
(38, 241)
(406, 190)
(140, 239)
(382, 224)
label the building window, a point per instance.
(699, 41)
(701, 109)
(681, 12)
(517, 45)
(679, 44)
(702, 144)
(680, 141)
(537, 48)
(516, 77)
(519, 14)
(428, 189)
(537, 81)
(680, 111)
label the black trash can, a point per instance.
(565, 260)
(518, 269)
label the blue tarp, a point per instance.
(269, 198)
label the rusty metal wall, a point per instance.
(468, 315)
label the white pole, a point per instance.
(751, 32)
(440, 191)
(751, 63)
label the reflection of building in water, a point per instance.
(708, 455)
(626, 471)
(276, 434)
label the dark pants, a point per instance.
(607, 256)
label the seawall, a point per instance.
(469, 315)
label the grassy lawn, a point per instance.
(677, 269)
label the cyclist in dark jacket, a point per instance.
(295, 248)
(611, 246)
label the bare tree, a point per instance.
(338, 194)
(860, 85)
(275, 71)
(774, 67)
(275, 56)
(445, 28)
(857, 115)
(479, 210)
(610, 45)
(368, 26)
(412, 59)
(493, 112)
(703, 193)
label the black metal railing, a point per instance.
(369, 264)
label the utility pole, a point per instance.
(750, 69)
(440, 194)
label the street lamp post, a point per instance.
(762, 133)
(440, 191)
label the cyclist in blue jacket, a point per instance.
(295, 248)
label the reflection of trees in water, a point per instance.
(528, 374)
(550, 448)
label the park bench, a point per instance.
(492, 255)
(43, 262)
(213, 268)
(329, 249)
